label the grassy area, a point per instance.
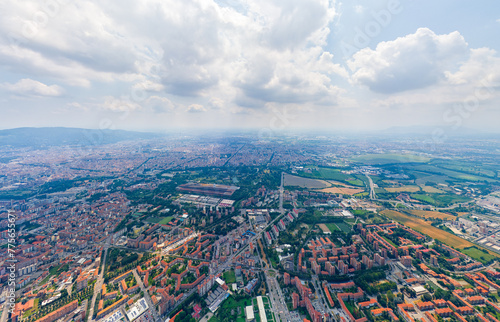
(33, 310)
(229, 277)
(344, 227)
(440, 200)
(424, 198)
(388, 158)
(52, 271)
(404, 189)
(432, 214)
(436, 233)
(160, 220)
(332, 227)
(430, 189)
(478, 254)
(356, 182)
(232, 306)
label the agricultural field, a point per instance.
(338, 183)
(389, 158)
(436, 233)
(430, 168)
(426, 228)
(336, 175)
(404, 189)
(477, 253)
(440, 200)
(432, 214)
(295, 181)
(343, 190)
(430, 189)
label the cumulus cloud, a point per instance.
(194, 49)
(29, 87)
(160, 104)
(415, 61)
(196, 108)
(119, 104)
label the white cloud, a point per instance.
(415, 61)
(196, 108)
(29, 87)
(160, 104)
(119, 104)
(197, 49)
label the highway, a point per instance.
(373, 196)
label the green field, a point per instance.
(332, 227)
(229, 310)
(159, 220)
(344, 227)
(389, 158)
(229, 277)
(335, 174)
(440, 200)
(478, 254)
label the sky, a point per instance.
(161, 65)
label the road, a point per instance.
(373, 196)
(98, 283)
(156, 316)
(281, 193)
(319, 291)
(276, 297)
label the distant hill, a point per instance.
(58, 136)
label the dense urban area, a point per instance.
(236, 227)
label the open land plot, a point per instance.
(480, 169)
(160, 220)
(432, 214)
(344, 227)
(388, 158)
(450, 173)
(480, 255)
(423, 177)
(332, 227)
(404, 189)
(426, 228)
(295, 181)
(336, 175)
(229, 277)
(343, 191)
(324, 228)
(165, 220)
(440, 200)
(430, 189)
(338, 183)
(434, 232)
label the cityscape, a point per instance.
(249, 161)
(233, 228)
